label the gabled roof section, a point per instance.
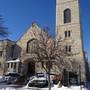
(32, 32)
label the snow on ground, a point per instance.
(53, 88)
(69, 88)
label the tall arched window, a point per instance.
(31, 45)
(67, 16)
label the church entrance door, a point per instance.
(31, 68)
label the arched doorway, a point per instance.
(28, 65)
(30, 68)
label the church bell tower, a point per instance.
(68, 27)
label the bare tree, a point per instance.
(3, 29)
(48, 52)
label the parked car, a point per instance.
(20, 80)
(11, 77)
(37, 83)
(73, 81)
(2, 80)
(45, 75)
(1, 77)
(13, 74)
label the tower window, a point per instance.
(67, 16)
(67, 33)
(1, 53)
(68, 48)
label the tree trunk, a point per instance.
(49, 83)
(68, 77)
(80, 76)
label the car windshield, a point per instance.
(38, 83)
(12, 74)
(41, 81)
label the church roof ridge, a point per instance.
(34, 24)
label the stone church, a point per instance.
(14, 56)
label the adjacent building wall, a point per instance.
(6, 52)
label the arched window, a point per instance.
(67, 16)
(31, 45)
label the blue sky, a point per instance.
(19, 14)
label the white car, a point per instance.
(37, 84)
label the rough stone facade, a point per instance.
(74, 27)
(6, 53)
(32, 33)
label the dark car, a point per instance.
(13, 74)
(73, 81)
(11, 77)
(20, 81)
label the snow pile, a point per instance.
(53, 88)
(1, 77)
(68, 88)
(8, 88)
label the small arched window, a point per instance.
(68, 48)
(67, 16)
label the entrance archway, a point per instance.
(28, 65)
(31, 68)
